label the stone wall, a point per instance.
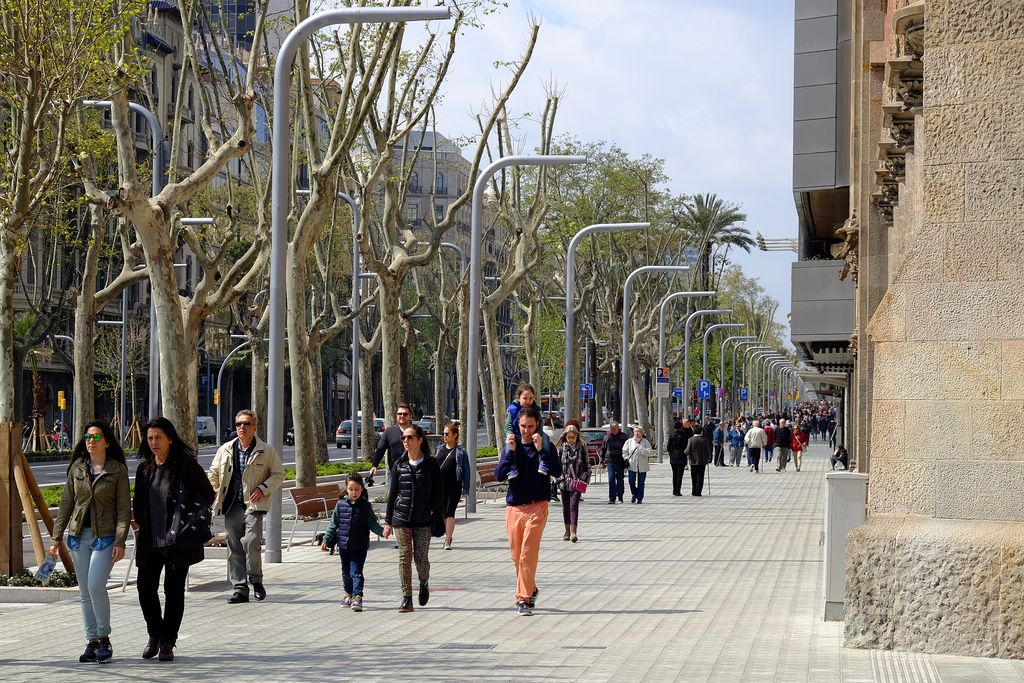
(938, 566)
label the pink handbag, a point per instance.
(579, 485)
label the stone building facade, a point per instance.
(935, 224)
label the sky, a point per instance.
(706, 85)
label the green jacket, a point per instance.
(107, 500)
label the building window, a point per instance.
(412, 213)
(191, 99)
(438, 212)
(439, 186)
(414, 182)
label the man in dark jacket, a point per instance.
(677, 441)
(526, 511)
(698, 451)
(390, 440)
(783, 439)
(611, 458)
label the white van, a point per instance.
(206, 429)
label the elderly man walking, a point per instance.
(611, 457)
(755, 440)
(698, 451)
(783, 440)
(244, 472)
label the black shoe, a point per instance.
(105, 651)
(611, 502)
(676, 493)
(633, 499)
(639, 502)
(621, 501)
(152, 647)
(237, 597)
(166, 652)
(258, 591)
(406, 605)
(424, 595)
(90, 651)
(532, 602)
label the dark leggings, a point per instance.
(165, 627)
(570, 506)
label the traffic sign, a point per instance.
(704, 389)
(744, 394)
(664, 373)
(586, 391)
(678, 392)
(663, 388)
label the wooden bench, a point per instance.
(486, 477)
(313, 504)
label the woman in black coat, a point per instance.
(170, 489)
(415, 501)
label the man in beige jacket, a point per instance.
(244, 472)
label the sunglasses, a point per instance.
(403, 413)
(94, 437)
(408, 437)
(243, 424)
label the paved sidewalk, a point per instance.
(726, 587)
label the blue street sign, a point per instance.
(678, 392)
(744, 394)
(704, 389)
(586, 390)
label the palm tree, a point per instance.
(713, 222)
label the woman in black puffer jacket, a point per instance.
(415, 498)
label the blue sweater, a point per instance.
(530, 486)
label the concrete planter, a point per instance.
(36, 594)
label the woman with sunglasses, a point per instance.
(95, 511)
(168, 478)
(454, 463)
(415, 499)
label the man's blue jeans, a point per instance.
(352, 561)
(636, 485)
(616, 482)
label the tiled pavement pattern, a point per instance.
(726, 587)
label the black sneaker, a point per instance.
(258, 591)
(523, 610)
(105, 650)
(406, 605)
(152, 647)
(237, 597)
(90, 651)
(532, 602)
(166, 652)
(424, 595)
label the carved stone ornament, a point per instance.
(854, 339)
(849, 249)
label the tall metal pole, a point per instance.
(475, 276)
(122, 377)
(660, 433)
(707, 335)
(721, 356)
(280, 201)
(686, 350)
(220, 376)
(737, 375)
(627, 303)
(752, 373)
(570, 304)
(156, 137)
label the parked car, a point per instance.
(289, 436)
(553, 419)
(593, 437)
(428, 423)
(343, 435)
(206, 429)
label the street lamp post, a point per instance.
(686, 349)
(707, 335)
(627, 304)
(156, 136)
(570, 304)
(661, 357)
(475, 275)
(721, 356)
(751, 367)
(736, 374)
(220, 376)
(353, 375)
(280, 201)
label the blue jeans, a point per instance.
(616, 484)
(636, 484)
(93, 569)
(352, 561)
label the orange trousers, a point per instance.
(525, 526)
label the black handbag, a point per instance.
(190, 521)
(437, 528)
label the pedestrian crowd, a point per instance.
(174, 500)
